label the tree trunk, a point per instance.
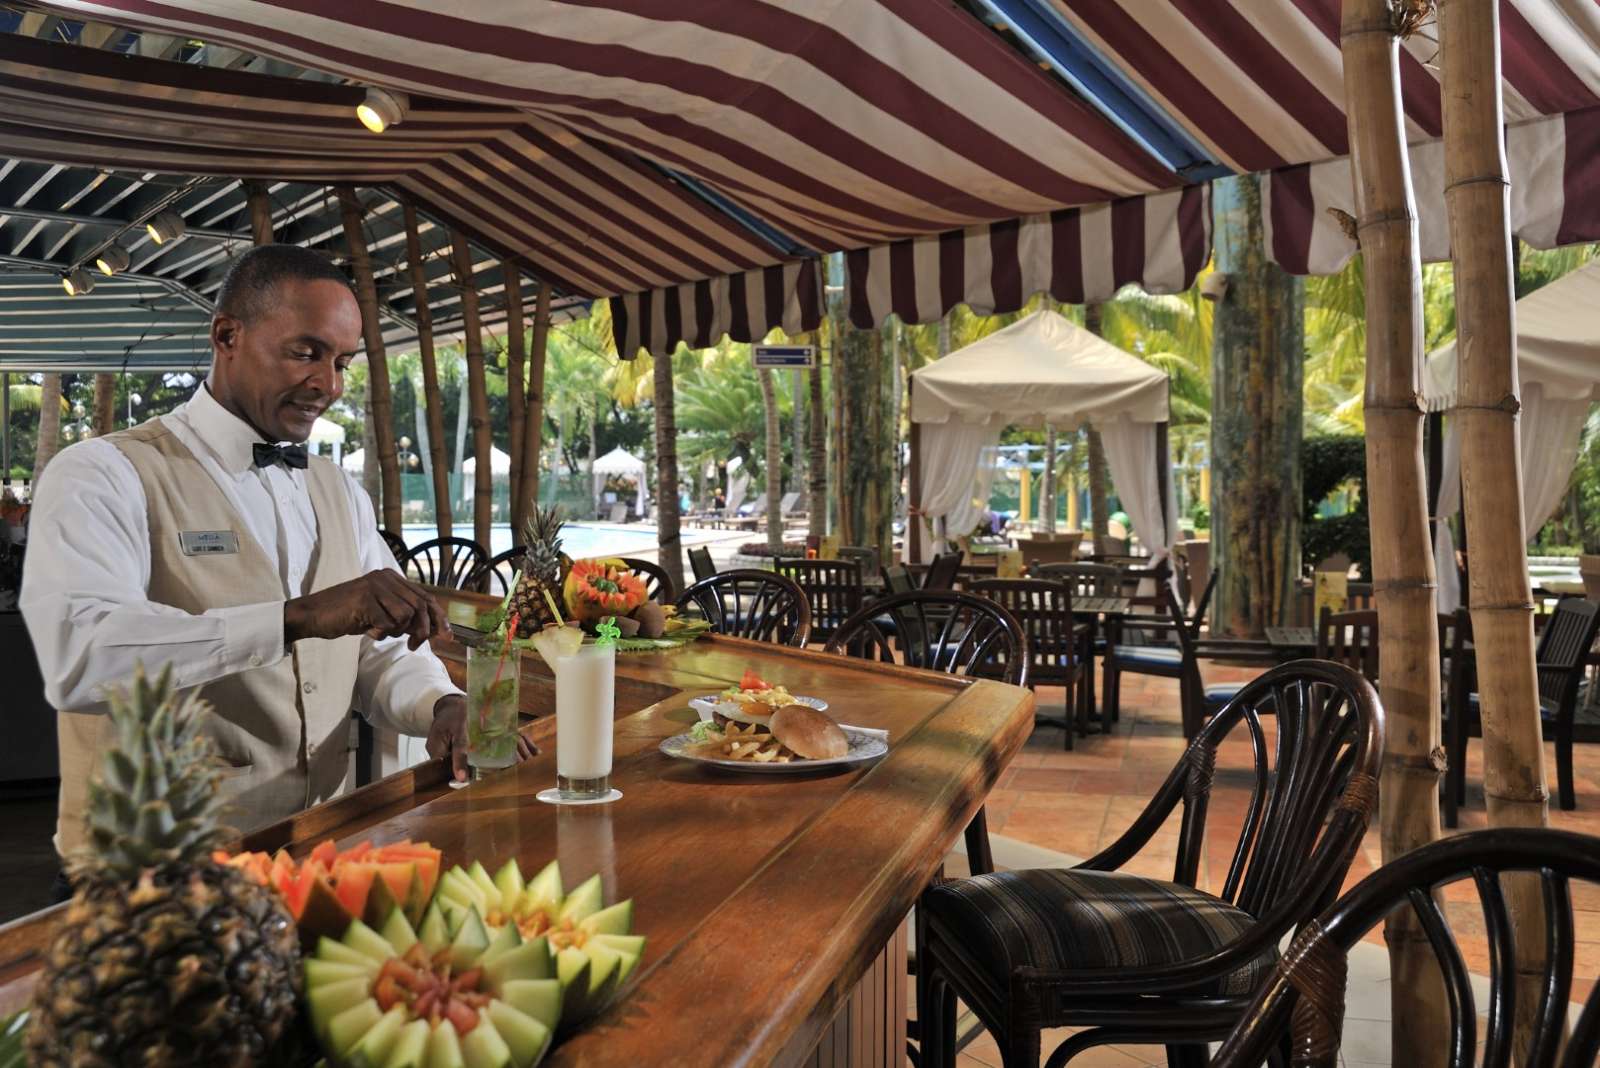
(866, 498)
(1258, 354)
(459, 468)
(260, 212)
(1477, 194)
(377, 360)
(817, 507)
(1047, 492)
(49, 423)
(105, 403)
(533, 422)
(1402, 556)
(670, 555)
(477, 392)
(516, 400)
(430, 430)
(594, 480)
(1099, 476)
(774, 462)
(797, 428)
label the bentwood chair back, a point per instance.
(1131, 959)
(1059, 644)
(397, 545)
(657, 583)
(1351, 639)
(495, 575)
(444, 562)
(832, 587)
(700, 563)
(759, 605)
(1304, 996)
(1084, 580)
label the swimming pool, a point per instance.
(578, 539)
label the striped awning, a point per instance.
(743, 306)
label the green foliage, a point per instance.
(1328, 463)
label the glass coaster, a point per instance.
(553, 796)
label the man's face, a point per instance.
(284, 368)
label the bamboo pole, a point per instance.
(773, 464)
(434, 400)
(377, 359)
(105, 396)
(260, 212)
(1099, 477)
(533, 417)
(516, 348)
(670, 552)
(817, 444)
(1402, 556)
(477, 392)
(1477, 195)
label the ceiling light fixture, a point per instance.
(382, 109)
(114, 260)
(165, 227)
(77, 282)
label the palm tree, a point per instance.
(774, 463)
(51, 408)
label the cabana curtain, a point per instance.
(1135, 472)
(960, 458)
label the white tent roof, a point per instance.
(1042, 369)
(326, 432)
(353, 461)
(1558, 342)
(499, 463)
(619, 461)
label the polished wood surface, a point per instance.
(765, 898)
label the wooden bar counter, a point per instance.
(773, 904)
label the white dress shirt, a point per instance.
(87, 572)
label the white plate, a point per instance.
(864, 746)
(706, 705)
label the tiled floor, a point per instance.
(1079, 802)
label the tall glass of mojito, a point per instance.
(494, 674)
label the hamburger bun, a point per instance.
(809, 733)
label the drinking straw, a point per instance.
(505, 650)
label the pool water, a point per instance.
(578, 540)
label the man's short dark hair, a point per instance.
(250, 286)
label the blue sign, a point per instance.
(783, 355)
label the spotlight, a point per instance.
(382, 109)
(114, 260)
(165, 227)
(77, 282)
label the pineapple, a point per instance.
(163, 957)
(544, 569)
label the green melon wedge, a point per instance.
(351, 1025)
(501, 942)
(373, 1048)
(508, 880)
(434, 933)
(531, 960)
(482, 1047)
(339, 953)
(527, 1037)
(469, 943)
(544, 890)
(397, 931)
(480, 878)
(444, 1047)
(411, 1048)
(327, 1001)
(538, 998)
(614, 920)
(365, 940)
(584, 901)
(323, 972)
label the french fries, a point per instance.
(746, 742)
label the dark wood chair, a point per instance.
(943, 572)
(1165, 659)
(1132, 959)
(1562, 655)
(657, 583)
(1351, 639)
(866, 556)
(1059, 644)
(1084, 580)
(1304, 995)
(495, 575)
(397, 545)
(444, 562)
(759, 605)
(897, 579)
(946, 631)
(700, 563)
(832, 588)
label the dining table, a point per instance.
(774, 905)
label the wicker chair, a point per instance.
(657, 583)
(832, 588)
(1059, 644)
(397, 545)
(946, 631)
(448, 563)
(1351, 639)
(495, 575)
(1133, 959)
(1305, 994)
(759, 605)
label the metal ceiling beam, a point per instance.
(174, 287)
(78, 219)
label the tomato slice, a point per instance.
(752, 681)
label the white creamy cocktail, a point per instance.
(585, 707)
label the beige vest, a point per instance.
(281, 730)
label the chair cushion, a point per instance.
(1221, 693)
(1547, 707)
(1164, 655)
(1061, 920)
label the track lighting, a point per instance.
(165, 227)
(382, 109)
(114, 260)
(77, 282)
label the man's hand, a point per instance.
(449, 735)
(379, 604)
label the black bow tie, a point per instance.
(288, 455)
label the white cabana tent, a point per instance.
(325, 432)
(1558, 366)
(499, 463)
(620, 461)
(353, 461)
(1040, 370)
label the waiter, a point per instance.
(203, 540)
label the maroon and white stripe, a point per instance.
(745, 306)
(1078, 255)
(1555, 195)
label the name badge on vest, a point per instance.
(206, 542)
